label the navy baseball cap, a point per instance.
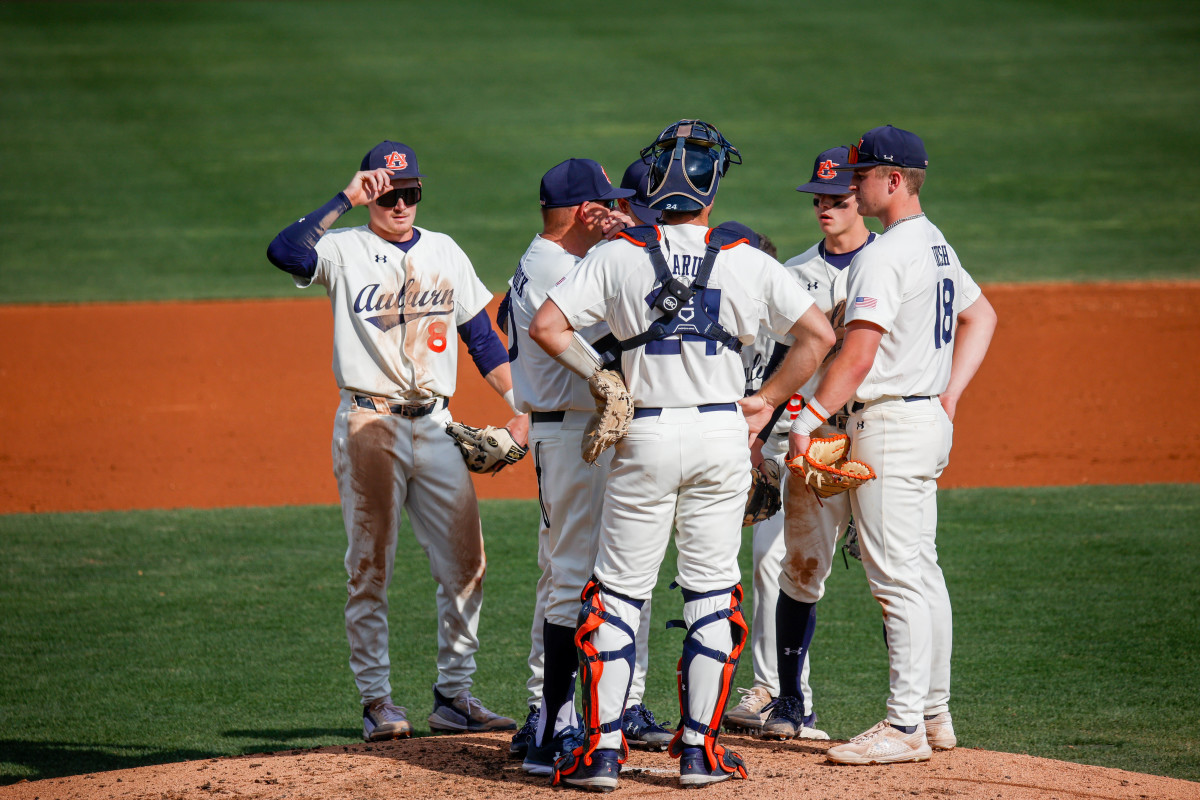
(575, 181)
(888, 145)
(395, 156)
(741, 230)
(825, 177)
(637, 177)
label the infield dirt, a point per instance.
(218, 404)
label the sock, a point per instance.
(794, 626)
(558, 680)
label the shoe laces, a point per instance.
(387, 711)
(752, 699)
(873, 732)
(471, 703)
(791, 709)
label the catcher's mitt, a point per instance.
(614, 412)
(764, 499)
(486, 450)
(826, 469)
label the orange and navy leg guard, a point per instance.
(716, 755)
(591, 670)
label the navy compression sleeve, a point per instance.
(777, 354)
(294, 250)
(482, 343)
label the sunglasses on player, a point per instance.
(609, 204)
(411, 196)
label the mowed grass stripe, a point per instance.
(153, 150)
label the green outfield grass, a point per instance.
(138, 638)
(152, 150)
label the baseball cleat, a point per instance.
(883, 744)
(787, 721)
(694, 771)
(524, 737)
(383, 721)
(600, 775)
(540, 759)
(465, 714)
(939, 731)
(749, 714)
(642, 730)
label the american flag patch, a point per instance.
(864, 302)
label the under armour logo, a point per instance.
(860, 425)
(787, 651)
(380, 258)
(826, 171)
(396, 160)
(813, 285)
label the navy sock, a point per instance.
(794, 626)
(560, 666)
(906, 728)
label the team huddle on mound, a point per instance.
(670, 379)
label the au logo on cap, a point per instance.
(396, 160)
(826, 171)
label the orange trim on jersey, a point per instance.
(638, 242)
(742, 240)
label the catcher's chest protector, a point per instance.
(688, 310)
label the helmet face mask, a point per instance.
(686, 162)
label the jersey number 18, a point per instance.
(943, 313)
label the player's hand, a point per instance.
(756, 456)
(365, 186)
(949, 404)
(518, 426)
(797, 445)
(614, 223)
(757, 412)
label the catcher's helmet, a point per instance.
(686, 162)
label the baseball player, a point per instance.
(398, 292)
(681, 300)
(917, 329)
(793, 551)
(569, 531)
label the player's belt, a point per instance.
(381, 406)
(639, 413)
(547, 416)
(912, 398)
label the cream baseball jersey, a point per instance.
(910, 283)
(748, 290)
(395, 314)
(540, 383)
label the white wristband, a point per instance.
(809, 419)
(511, 400)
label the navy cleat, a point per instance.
(524, 737)
(694, 771)
(641, 729)
(540, 759)
(598, 773)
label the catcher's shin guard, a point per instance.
(597, 623)
(698, 711)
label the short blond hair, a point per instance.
(914, 177)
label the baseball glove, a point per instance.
(825, 468)
(486, 450)
(614, 412)
(764, 499)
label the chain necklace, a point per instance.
(906, 219)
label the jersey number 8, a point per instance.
(437, 337)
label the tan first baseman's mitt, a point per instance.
(764, 499)
(614, 412)
(486, 450)
(826, 469)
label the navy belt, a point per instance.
(639, 413)
(402, 409)
(912, 398)
(547, 416)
